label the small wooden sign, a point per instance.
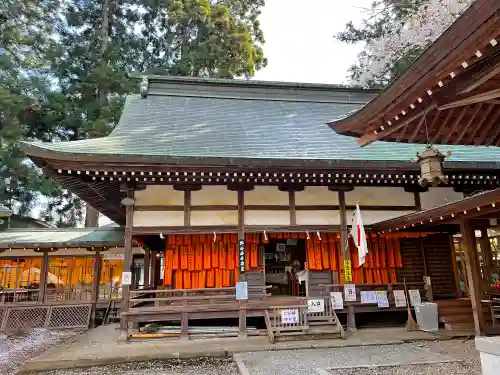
(347, 271)
(241, 256)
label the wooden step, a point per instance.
(459, 302)
(460, 310)
(459, 326)
(456, 318)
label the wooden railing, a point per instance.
(182, 297)
(57, 294)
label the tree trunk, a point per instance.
(91, 214)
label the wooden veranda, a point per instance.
(472, 219)
(58, 278)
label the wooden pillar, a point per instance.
(44, 271)
(473, 274)
(293, 210)
(128, 202)
(344, 238)
(96, 282)
(487, 257)
(418, 202)
(456, 273)
(153, 270)
(147, 264)
(242, 332)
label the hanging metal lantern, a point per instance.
(431, 162)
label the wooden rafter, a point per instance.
(487, 69)
(478, 98)
(369, 138)
(443, 125)
(422, 121)
(479, 205)
(482, 118)
(466, 127)
(456, 124)
(488, 127)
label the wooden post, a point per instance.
(42, 294)
(487, 257)
(456, 273)
(418, 202)
(241, 237)
(293, 209)
(344, 238)
(96, 282)
(147, 264)
(127, 263)
(473, 274)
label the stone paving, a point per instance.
(338, 360)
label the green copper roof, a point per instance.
(232, 120)
(61, 237)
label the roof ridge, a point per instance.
(249, 82)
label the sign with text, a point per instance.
(126, 278)
(399, 298)
(415, 297)
(241, 290)
(290, 316)
(368, 297)
(347, 271)
(350, 292)
(337, 301)
(382, 300)
(241, 256)
(315, 305)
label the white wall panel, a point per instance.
(159, 195)
(316, 196)
(379, 196)
(158, 218)
(212, 218)
(214, 195)
(267, 217)
(266, 195)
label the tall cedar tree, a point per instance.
(100, 42)
(25, 35)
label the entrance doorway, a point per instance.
(284, 262)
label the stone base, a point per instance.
(489, 350)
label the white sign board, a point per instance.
(415, 297)
(382, 300)
(368, 296)
(315, 305)
(290, 316)
(126, 278)
(399, 298)
(337, 301)
(350, 292)
(241, 290)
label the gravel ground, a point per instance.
(298, 362)
(314, 362)
(203, 366)
(15, 350)
(464, 351)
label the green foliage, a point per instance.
(63, 75)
